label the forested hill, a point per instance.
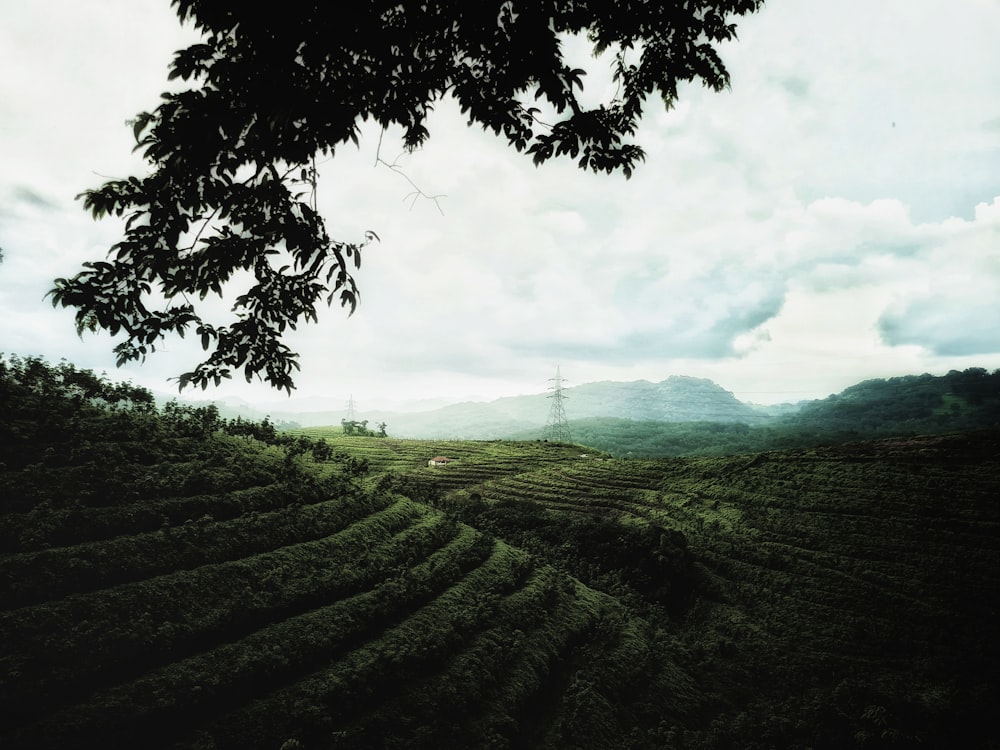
(957, 401)
(903, 406)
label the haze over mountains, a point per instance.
(676, 399)
(641, 418)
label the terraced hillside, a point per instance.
(168, 579)
(828, 597)
(838, 597)
(473, 461)
(164, 584)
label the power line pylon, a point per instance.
(351, 416)
(557, 427)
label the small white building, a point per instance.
(440, 461)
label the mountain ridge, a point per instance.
(905, 404)
(678, 398)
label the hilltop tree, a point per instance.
(353, 427)
(232, 181)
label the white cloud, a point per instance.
(787, 237)
(947, 298)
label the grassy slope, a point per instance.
(838, 597)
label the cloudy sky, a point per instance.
(834, 217)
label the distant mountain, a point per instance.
(895, 407)
(879, 407)
(676, 399)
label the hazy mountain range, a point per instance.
(676, 399)
(900, 405)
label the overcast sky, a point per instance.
(834, 217)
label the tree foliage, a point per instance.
(231, 191)
(354, 427)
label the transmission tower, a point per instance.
(351, 409)
(557, 428)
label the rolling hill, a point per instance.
(170, 579)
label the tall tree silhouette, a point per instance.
(232, 184)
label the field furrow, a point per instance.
(172, 699)
(30, 578)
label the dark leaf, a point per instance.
(228, 155)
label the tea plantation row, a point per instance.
(166, 584)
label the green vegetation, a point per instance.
(916, 403)
(836, 597)
(353, 427)
(172, 579)
(904, 406)
(231, 169)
